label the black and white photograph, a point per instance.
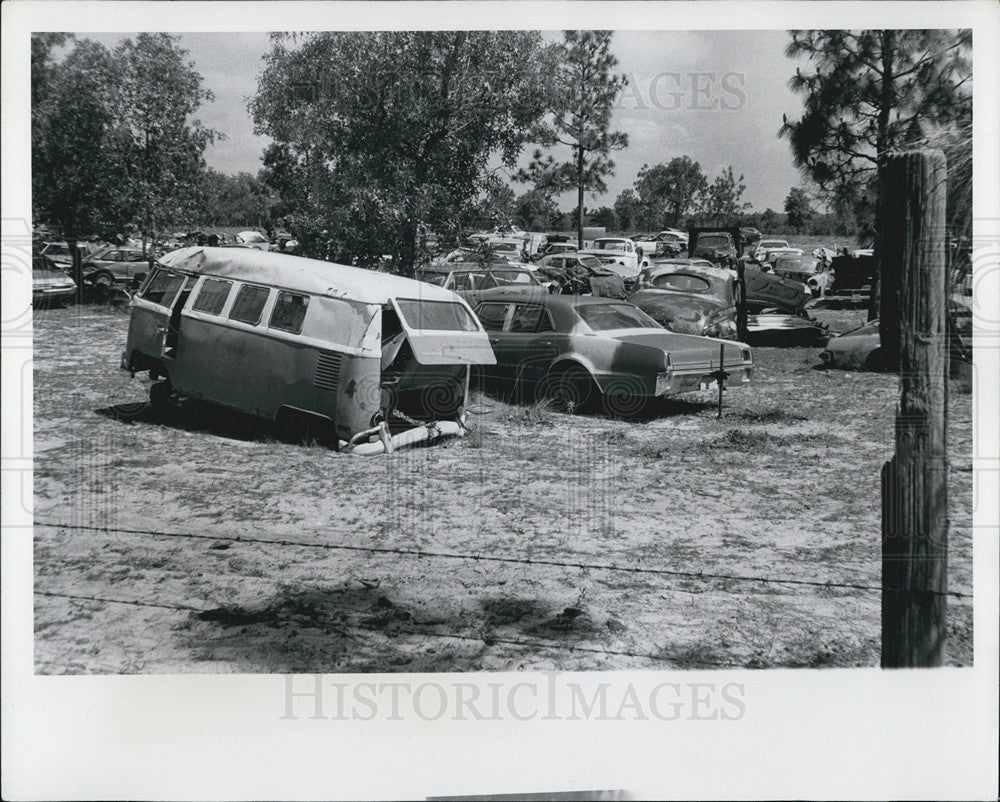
(412, 378)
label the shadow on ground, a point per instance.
(360, 628)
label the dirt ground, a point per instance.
(202, 543)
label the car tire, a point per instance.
(102, 279)
(569, 390)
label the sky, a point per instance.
(716, 96)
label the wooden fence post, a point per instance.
(915, 481)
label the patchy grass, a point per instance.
(784, 486)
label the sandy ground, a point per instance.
(785, 486)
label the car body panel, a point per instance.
(854, 349)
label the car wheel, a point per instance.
(103, 280)
(876, 362)
(569, 390)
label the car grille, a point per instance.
(327, 371)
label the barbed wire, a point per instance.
(697, 575)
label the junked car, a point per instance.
(765, 245)
(861, 348)
(49, 284)
(472, 280)
(619, 254)
(252, 239)
(369, 360)
(690, 299)
(577, 349)
(666, 265)
(574, 273)
(115, 265)
(805, 269)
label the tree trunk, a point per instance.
(915, 481)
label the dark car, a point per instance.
(573, 349)
(690, 299)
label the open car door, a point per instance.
(444, 332)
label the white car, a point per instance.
(765, 245)
(619, 254)
(253, 239)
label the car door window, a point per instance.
(492, 316)
(461, 281)
(526, 319)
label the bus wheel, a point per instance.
(159, 394)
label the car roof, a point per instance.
(299, 273)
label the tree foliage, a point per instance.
(668, 192)
(582, 94)
(536, 211)
(114, 142)
(378, 133)
(798, 209)
(723, 200)
(871, 92)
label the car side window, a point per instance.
(289, 312)
(212, 296)
(526, 319)
(492, 316)
(249, 304)
(461, 281)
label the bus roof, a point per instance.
(298, 273)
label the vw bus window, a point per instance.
(162, 288)
(249, 304)
(212, 296)
(338, 320)
(289, 312)
(436, 315)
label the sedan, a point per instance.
(49, 284)
(574, 349)
(111, 265)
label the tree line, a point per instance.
(380, 137)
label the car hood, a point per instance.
(686, 349)
(679, 312)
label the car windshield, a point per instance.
(714, 241)
(609, 245)
(505, 277)
(438, 279)
(607, 317)
(252, 236)
(682, 282)
(436, 315)
(590, 261)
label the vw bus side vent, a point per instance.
(327, 371)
